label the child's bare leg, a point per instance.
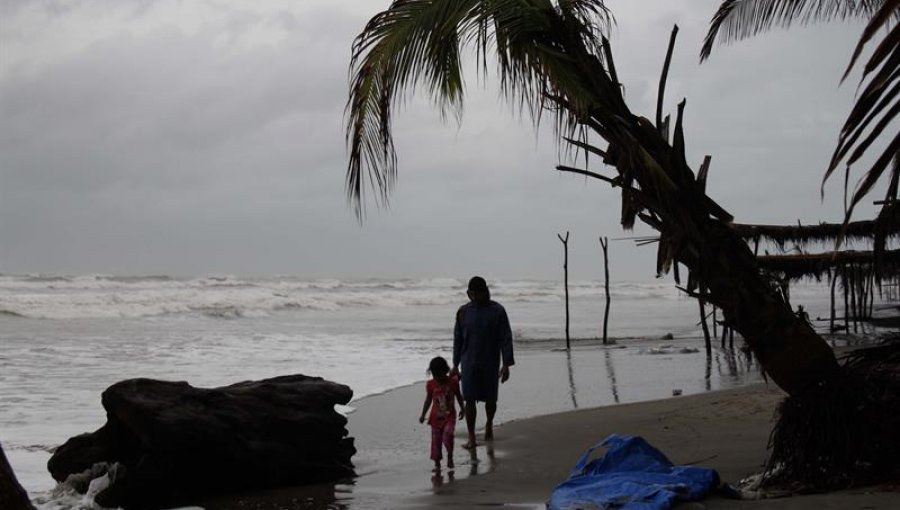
(490, 408)
(471, 412)
(436, 437)
(449, 428)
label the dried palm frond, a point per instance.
(804, 235)
(816, 265)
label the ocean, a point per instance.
(64, 339)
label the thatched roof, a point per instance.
(821, 233)
(816, 265)
(885, 226)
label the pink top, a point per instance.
(442, 400)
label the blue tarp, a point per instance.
(632, 475)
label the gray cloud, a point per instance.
(164, 138)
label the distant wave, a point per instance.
(39, 279)
(220, 311)
(231, 297)
(134, 279)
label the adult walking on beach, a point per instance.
(482, 338)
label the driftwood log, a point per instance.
(167, 443)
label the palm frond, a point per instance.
(419, 43)
(740, 19)
(876, 107)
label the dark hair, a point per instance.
(478, 290)
(477, 284)
(438, 366)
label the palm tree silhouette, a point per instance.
(553, 59)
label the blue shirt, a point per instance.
(481, 336)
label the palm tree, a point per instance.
(877, 104)
(552, 57)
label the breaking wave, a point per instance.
(232, 297)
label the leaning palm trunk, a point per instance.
(553, 58)
(695, 232)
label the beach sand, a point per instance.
(726, 430)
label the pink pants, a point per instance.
(442, 432)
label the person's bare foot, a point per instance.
(470, 444)
(489, 433)
(437, 467)
(450, 464)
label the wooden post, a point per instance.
(872, 293)
(715, 321)
(831, 320)
(860, 294)
(846, 305)
(853, 299)
(708, 342)
(604, 243)
(565, 242)
(863, 293)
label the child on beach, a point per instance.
(440, 392)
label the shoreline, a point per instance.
(726, 430)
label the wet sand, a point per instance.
(727, 430)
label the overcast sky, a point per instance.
(206, 137)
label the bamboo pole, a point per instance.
(565, 242)
(604, 243)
